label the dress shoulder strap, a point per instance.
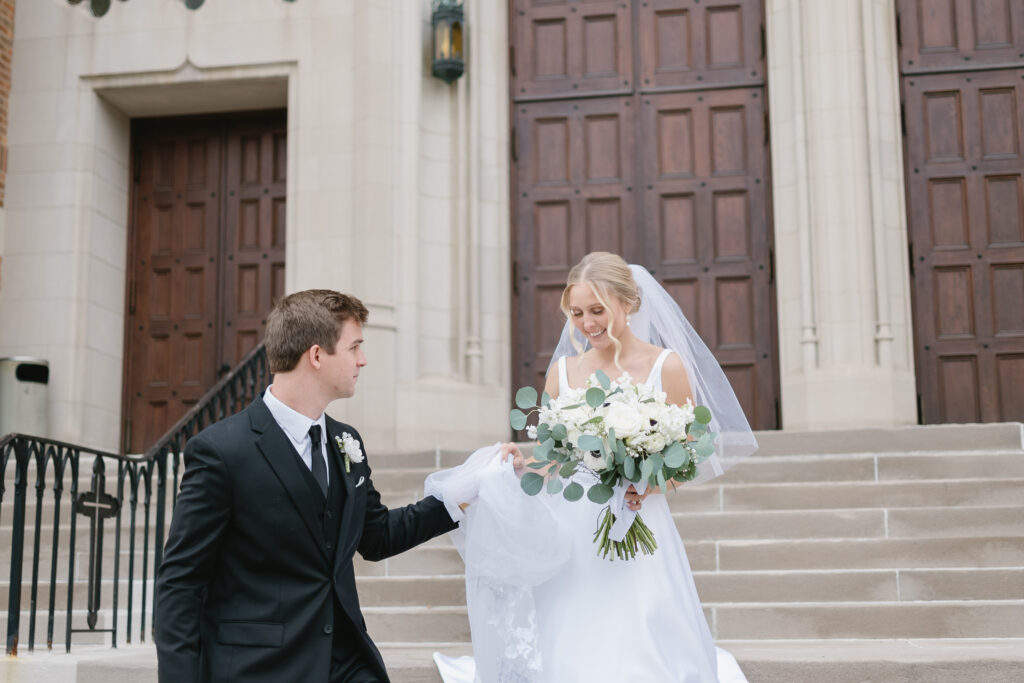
(654, 379)
(563, 377)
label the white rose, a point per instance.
(625, 419)
(656, 443)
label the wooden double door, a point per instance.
(206, 258)
(962, 86)
(641, 129)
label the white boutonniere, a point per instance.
(349, 447)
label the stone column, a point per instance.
(845, 329)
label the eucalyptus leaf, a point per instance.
(696, 429)
(567, 469)
(600, 493)
(620, 452)
(702, 414)
(543, 451)
(589, 442)
(543, 432)
(573, 492)
(629, 468)
(705, 446)
(517, 418)
(526, 398)
(595, 397)
(554, 486)
(657, 462)
(662, 484)
(646, 467)
(532, 483)
(559, 432)
(675, 455)
(603, 380)
(545, 399)
(537, 465)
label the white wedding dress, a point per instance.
(544, 608)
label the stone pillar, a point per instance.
(845, 329)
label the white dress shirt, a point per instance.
(296, 427)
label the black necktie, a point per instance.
(319, 467)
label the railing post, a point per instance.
(21, 458)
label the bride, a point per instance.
(543, 606)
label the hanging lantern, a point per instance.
(446, 20)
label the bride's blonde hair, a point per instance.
(610, 277)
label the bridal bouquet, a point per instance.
(622, 434)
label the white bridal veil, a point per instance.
(661, 322)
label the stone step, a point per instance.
(842, 661)
(80, 595)
(713, 497)
(886, 553)
(930, 522)
(900, 553)
(866, 467)
(881, 585)
(752, 621)
(955, 619)
(78, 621)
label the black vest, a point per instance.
(329, 507)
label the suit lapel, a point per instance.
(344, 530)
(284, 461)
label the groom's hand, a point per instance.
(512, 450)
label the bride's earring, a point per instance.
(628, 318)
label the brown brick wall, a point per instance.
(6, 50)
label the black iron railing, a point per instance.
(140, 479)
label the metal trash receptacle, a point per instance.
(24, 384)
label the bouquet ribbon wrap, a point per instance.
(624, 517)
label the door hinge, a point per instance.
(903, 119)
(515, 277)
(764, 43)
(512, 60)
(131, 297)
(771, 266)
(513, 143)
(127, 436)
(778, 415)
(767, 130)
(899, 30)
(910, 256)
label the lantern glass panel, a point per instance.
(442, 43)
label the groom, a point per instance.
(257, 582)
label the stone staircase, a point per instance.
(876, 555)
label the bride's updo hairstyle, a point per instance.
(610, 278)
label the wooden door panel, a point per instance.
(206, 258)
(253, 258)
(965, 199)
(704, 178)
(172, 355)
(959, 34)
(571, 47)
(575, 179)
(690, 44)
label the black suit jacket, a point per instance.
(248, 588)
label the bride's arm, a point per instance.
(675, 381)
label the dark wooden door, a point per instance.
(639, 128)
(962, 75)
(206, 259)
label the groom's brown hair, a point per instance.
(307, 318)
